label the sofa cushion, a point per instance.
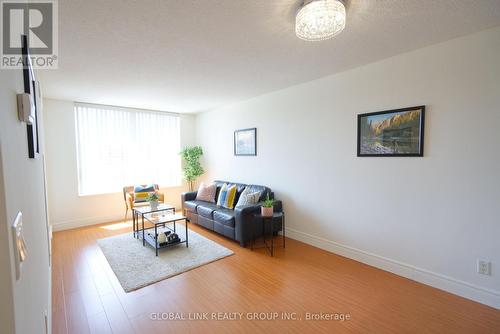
(227, 194)
(221, 196)
(192, 205)
(206, 192)
(248, 198)
(224, 216)
(142, 192)
(206, 209)
(239, 188)
(262, 189)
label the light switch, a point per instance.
(19, 244)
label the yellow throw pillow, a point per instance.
(231, 195)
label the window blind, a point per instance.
(118, 147)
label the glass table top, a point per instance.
(149, 209)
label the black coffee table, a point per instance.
(269, 220)
(139, 212)
(167, 221)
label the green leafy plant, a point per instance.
(153, 197)
(268, 203)
(192, 168)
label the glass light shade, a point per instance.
(320, 19)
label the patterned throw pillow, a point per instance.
(248, 198)
(227, 195)
(142, 193)
(206, 192)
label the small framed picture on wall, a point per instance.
(245, 142)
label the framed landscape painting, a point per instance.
(392, 133)
(245, 142)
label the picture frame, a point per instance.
(392, 133)
(245, 142)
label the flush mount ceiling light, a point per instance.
(318, 20)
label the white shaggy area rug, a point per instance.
(136, 266)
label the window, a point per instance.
(117, 147)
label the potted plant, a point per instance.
(267, 207)
(192, 167)
(153, 200)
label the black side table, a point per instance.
(269, 220)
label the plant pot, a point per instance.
(266, 212)
(154, 205)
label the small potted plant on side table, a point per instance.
(153, 200)
(267, 208)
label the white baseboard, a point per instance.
(442, 282)
(48, 311)
(81, 222)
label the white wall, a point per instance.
(24, 301)
(425, 218)
(66, 208)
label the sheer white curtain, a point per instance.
(117, 147)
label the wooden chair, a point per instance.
(129, 198)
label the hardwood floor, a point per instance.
(87, 297)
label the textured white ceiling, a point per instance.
(194, 55)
